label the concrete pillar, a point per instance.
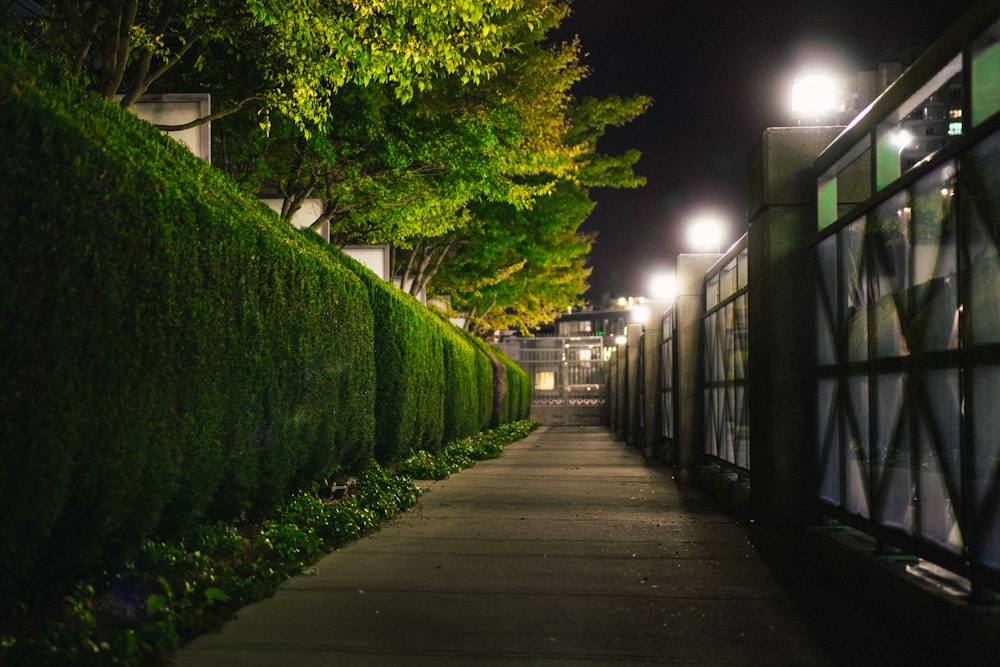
(781, 319)
(689, 307)
(622, 419)
(613, 390)
(652, 338)
(632, 432)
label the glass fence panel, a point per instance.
(922, 125)
(980, 197)
(667, 365)
(667, 382)
(931, 304)
(827, 303)
(985, 462)
(725, 362)
(985, 83)
(938, 466)
(888, 275)
(741, 339)
(741, 427)
(712, 366)
(831, 441)
(854, 289)
(890, 463)
(712, 292)
(857, 452)
(908, 430)
(908, 313)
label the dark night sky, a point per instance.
(718, 73)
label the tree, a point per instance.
(519, 268)
(446, 128)
(401, 174)
(296, 53)
(522, 268)
(479, 189)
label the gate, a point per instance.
(567, 376)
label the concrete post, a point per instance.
(781, 319)
(632, 432)
(652, 338)
(613, 395)
(622, 420)
(689, 307)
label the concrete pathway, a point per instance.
(567, 550)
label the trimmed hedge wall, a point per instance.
(173, 352)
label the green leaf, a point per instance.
(213, 594)
(155, 603)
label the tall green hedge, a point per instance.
(173, 352)
(517, 394)
(170, 350)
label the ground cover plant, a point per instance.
(139, 611)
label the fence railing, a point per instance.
(568, 377)
(871, 333)
(908, 319)
(725, 341)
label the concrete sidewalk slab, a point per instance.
(567, 550)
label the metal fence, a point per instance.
(668, 381)
(908, 323)
(875, 394)
(725, 350)
(568, 378)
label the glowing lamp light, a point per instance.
(901, 139)
(814, 95)
(641, 314)
(663, 287)
(705, 232)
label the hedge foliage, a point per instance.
(173, 352)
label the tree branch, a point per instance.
(115, 71)
(209, 118)
(428, 274)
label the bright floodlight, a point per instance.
(705, 232)
(814, 95)
(663, 287)
(901, 139)
(641, 315)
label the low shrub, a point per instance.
(172, 591)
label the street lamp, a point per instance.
(705, 232)
(663, 287)
(814, 98)
(901, 140)
(641, 315)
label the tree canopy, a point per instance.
(301, 52)
(445, 128)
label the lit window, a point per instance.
(955, 129)
(545, 380)
(955, 114)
